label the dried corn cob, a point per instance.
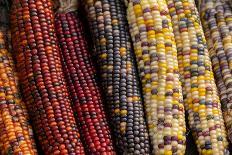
(16, 136)
(217, 22)
(156, 54)
(199, 89)
(41, 76)
(107, 19)
(80, 76)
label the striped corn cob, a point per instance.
(156, 54)
(40, 73)
(199, 89)
(107, 20)
(16, 136)
(217, 22)
(80, 76)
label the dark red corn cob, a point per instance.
(80, 77)
(41, 77)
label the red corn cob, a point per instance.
(80, 77)
(40, 73)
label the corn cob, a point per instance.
(199, 89)
(80, 77)
(156, 54)
(16, 136)
(107, 20)
(41, 77)
(217, 23)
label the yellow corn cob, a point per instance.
(199, 89)
(217, 23)
(156, 54)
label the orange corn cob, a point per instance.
(16, 136)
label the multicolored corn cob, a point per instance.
(42, 80)
(156, 54)
(217, 22)
(199, 89)
(80, 76)
(107, 20)
(16, 136)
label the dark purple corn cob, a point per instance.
(108, 23)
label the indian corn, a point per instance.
(156, 54)
(16, 136)
(217, 22)
(107, 20)
(42, 80)
(80, 76)
(199, 89)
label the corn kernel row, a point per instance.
(16, 135)
(107, 20)
(156, 54)
(199, 89)
(42, 80)
(217, 22)
(80, 76)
